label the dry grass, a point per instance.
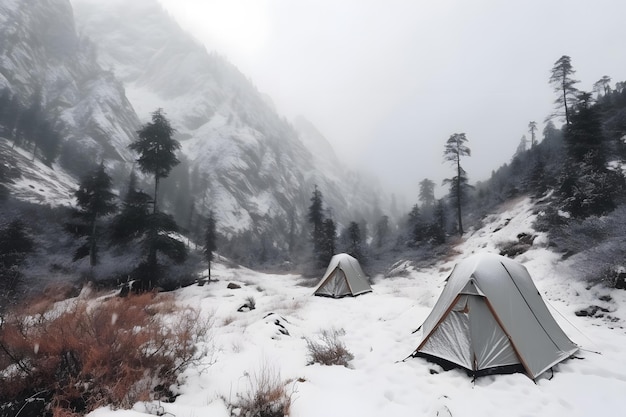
(98, 352)
(266, 395)
(43, 302)
(329, 349)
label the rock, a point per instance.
(591, 311)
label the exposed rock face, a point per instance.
(118, 60)
(257, 174)
(42, 58)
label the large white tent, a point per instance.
(343, 277)
(491, 317)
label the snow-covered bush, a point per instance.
(329, 349)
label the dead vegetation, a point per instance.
(329, 349)
(266, 395)
(86, 353)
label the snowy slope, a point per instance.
(254, 162)
(41, 55)
(378, 331)
(35, 182)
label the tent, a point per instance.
(490, 318)
(343, 277)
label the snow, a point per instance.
(39, 183)
(379, 333)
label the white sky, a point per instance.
(388, 81)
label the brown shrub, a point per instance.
(266, 395)
(98, 352)
(330, 349)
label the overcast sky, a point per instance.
(388, 81)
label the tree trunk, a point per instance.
(152, 252)
(458, 194)
(92, 245)
(565, 104)
(156, 190)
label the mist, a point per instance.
(388, 82)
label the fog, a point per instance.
(387, 82)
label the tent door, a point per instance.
(471, 337)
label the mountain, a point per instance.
(98, 69)
(42, 59)
(249, 164)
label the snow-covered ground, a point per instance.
(37, 182)
(378, 331)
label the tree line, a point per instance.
(102, 223)
(139, 221)
(571, 169)
(574, 170)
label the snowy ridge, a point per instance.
(255, 163)
(254, 170)
(41, 53)
(378, 331)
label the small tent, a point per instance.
(490, 318)
(343, 277)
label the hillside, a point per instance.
(94, 71)
(378, 331)
(44, 62)
(246, 350)
(33, 181)
(256, 172)
(213, 348)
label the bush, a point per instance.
(94, 353)
(266, 395)
(330, 350)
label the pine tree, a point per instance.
(454, 150)
(10, 115)
(157, 156)
(210, 240)
(94, 199)
(15, 245)
(563, 83)
(316, 219)
(602, 86)
(584, 133)
(521, 148)
(437, 229)
(355, 241)
(585, 190)
(536, 181)
(48, 140)
(156, 149)
(132, 221)
(427, 196)
(328, 246)
(532, 129)
(382, 231)
(415, 225)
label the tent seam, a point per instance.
(530, 309)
